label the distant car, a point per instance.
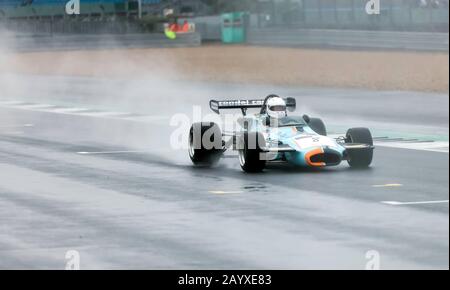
(301, 141)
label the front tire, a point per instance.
(250, 153)
(205, 144)
(359, 158)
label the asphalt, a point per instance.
(114, 189)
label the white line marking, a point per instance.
(68, 110)
(109, 152)
(388, 185)
(17, 126)
(105, 114)
(85, 112)
(219, 192)
(37, 106)
(147, 118)
(414, 202)
(11, 103)
(438, 146)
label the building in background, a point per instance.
(96, 16)
(415, 15)
(32, 9)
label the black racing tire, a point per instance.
(359, 158)
(318, 126)
(250, 152)
(206, 153)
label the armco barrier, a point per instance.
(86, 42)
(420, 41)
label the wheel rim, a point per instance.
(242, 157)
(350, 140)
(191, 145)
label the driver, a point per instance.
(276, 108)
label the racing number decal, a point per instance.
(307, 142)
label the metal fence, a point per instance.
(413, 15)
(58, 26)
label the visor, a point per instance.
(278, 108)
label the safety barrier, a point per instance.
(350, 39)
(86, 42)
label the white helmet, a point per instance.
(276, 107)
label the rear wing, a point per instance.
(216, 106)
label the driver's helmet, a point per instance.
(276, 107)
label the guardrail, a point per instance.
(87, 42)
(420, 41)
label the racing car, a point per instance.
(271, 135)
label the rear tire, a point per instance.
(359, 158)
(205, 153)
(318, 126)
(250, 153)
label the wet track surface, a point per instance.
(114, 190)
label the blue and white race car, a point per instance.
(272, 135)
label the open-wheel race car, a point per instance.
(272, 135)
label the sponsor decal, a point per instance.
(241, 103)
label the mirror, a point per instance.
(291, 104)
(306, 118)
